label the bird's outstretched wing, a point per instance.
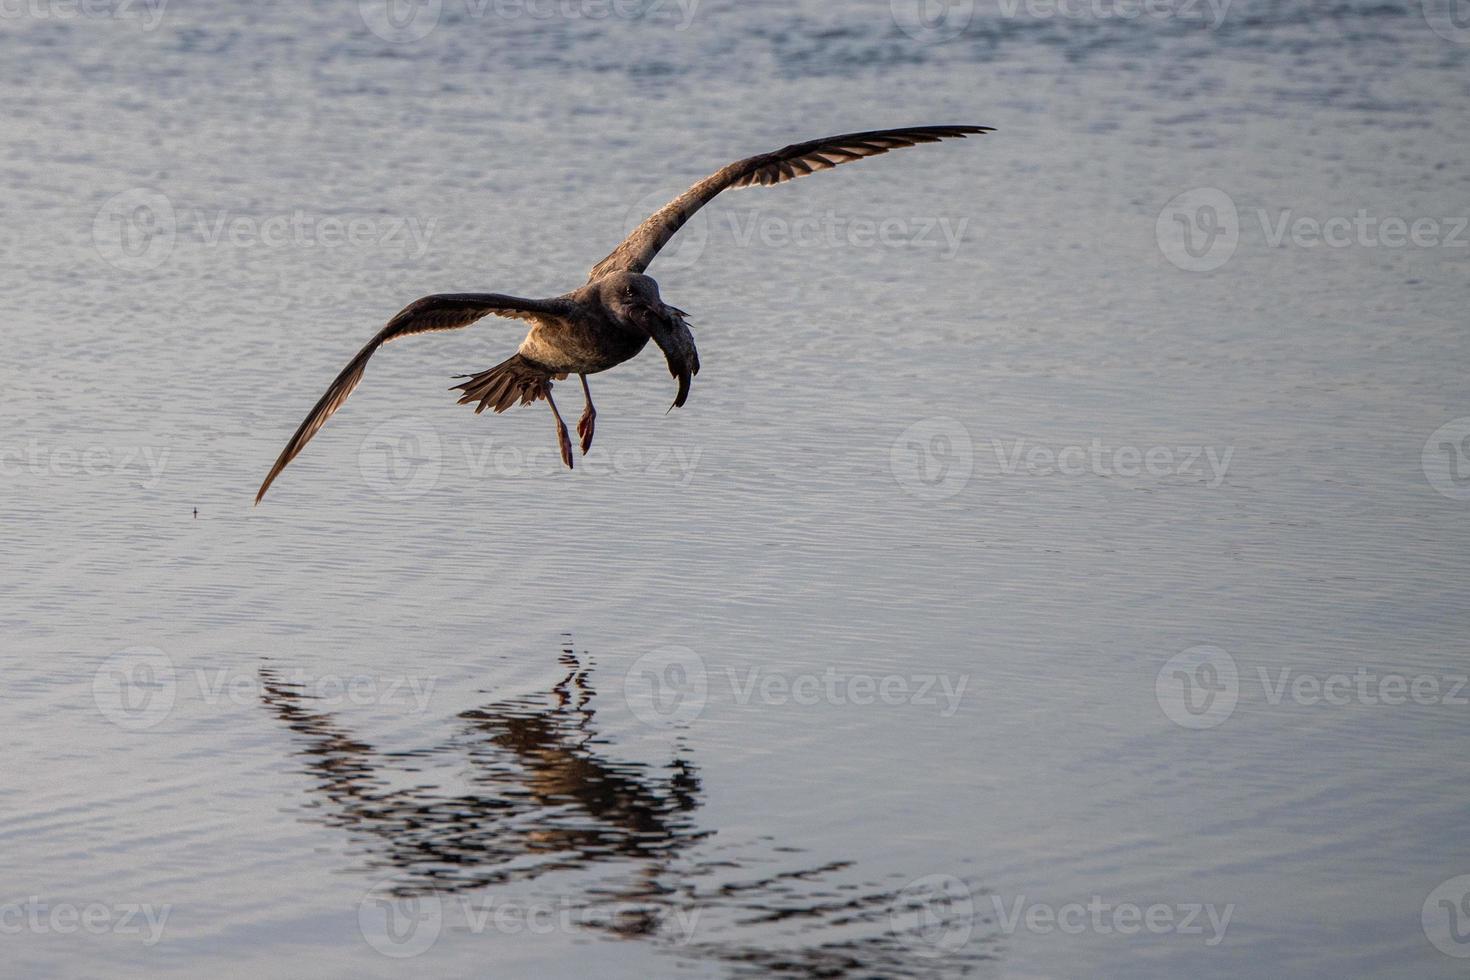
(796, 160)
(446, 311)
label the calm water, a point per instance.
(1057, 570)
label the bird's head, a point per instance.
(633, 301)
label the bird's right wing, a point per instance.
(787, 163)
(445, 311)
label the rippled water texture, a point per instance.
(1056, 571)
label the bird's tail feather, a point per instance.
(518, 379)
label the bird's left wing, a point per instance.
(445, 311)
(787, 163)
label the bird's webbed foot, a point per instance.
(585, 427)
(564, 441)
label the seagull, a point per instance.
(609, 319)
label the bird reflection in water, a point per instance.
(541, 795)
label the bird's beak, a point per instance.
(647, 318)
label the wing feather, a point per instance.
(788, 163)
(445, 311)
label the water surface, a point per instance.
(438, 692)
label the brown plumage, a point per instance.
(448, 311)
(512, 380)
(612, 317)
(787, 163)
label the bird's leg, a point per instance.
(589, 418)
(563, 440)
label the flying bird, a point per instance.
(609, 319)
